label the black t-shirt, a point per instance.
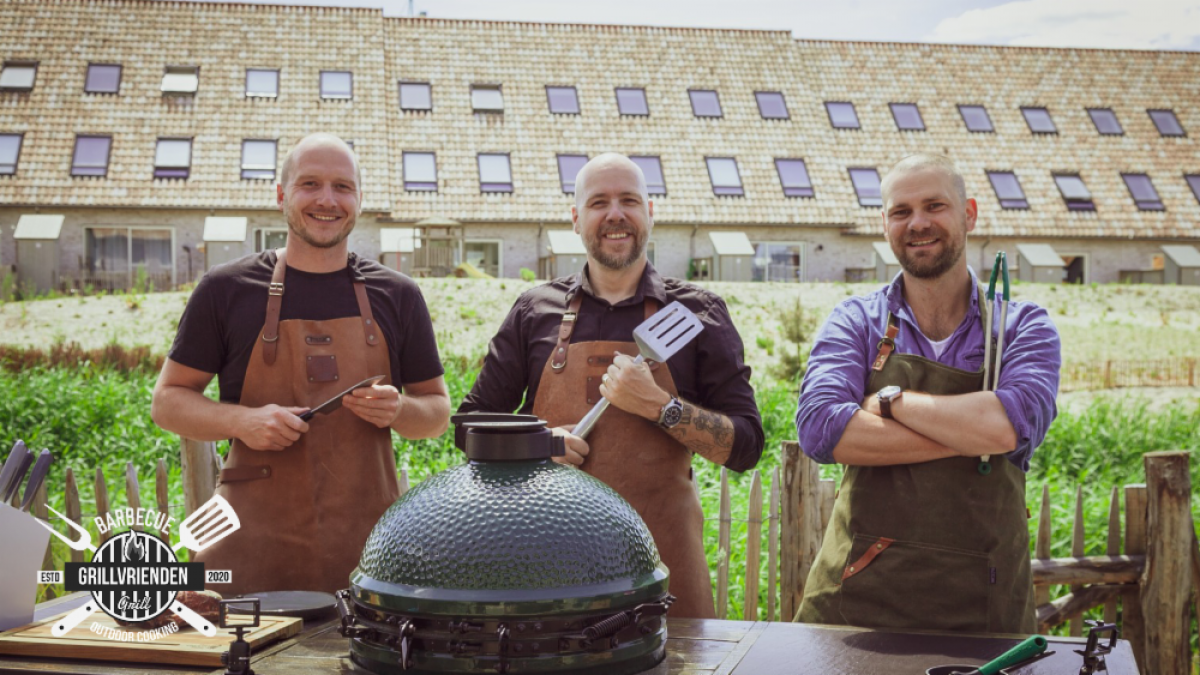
(226, 313)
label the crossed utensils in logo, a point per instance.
(209, 524)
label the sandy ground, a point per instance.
(1101, 322)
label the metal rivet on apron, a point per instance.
(265, 471)
(335, 377)
(560, 350)
(368, 322)
(310, 358)
(310, 379)
(851, 568)
(878, 545)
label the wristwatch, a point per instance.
(886, 396)
(670, 414)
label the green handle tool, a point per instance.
(1025, 650)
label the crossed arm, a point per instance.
(180, 406)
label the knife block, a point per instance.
(21, 555)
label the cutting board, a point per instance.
(186, 647)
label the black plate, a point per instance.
(304, 604)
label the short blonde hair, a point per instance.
(920, 161)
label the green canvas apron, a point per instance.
(937, 545)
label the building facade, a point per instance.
(141, 141)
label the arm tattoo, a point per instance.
(704, 432)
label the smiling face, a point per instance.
(612, 212)
(321, 199)
(926, 221)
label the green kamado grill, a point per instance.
(509, 563)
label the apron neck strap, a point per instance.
(370, 328)
(888, 344)
(558, 362)
(270, 334)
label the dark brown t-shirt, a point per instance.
(226, 312)
(709, 371)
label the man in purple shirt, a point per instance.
(926, 533)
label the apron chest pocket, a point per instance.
(905, 584)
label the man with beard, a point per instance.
(285, 331)
(925, 533)
(569, 342)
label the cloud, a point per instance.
(1112, 24)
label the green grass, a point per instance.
(96, 417)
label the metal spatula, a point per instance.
(658, 338)
(209, 524)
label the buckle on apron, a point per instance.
(275, 289)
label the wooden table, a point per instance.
(695, 647)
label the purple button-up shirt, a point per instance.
(840, 364)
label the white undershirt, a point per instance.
(939, 346)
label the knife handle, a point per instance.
(15, 457)
(40, 469)
(308, 415)
(14, 483)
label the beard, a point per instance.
(297, 227)
(613, 261)
(931, 268)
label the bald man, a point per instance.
(929, 530)
(569, 342)
(285, 330)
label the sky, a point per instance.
(1116, 24)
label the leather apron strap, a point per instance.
(270, 333)
(558, 358)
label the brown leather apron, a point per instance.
(647, 467)
(307, 510)
(939, 545)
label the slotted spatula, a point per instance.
(658, 338)
(209, 524)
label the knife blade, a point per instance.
(336, 402)
(15, 457)
(18, 476)
(40, 469)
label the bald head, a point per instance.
(318, 140)
(925, 162)
(608, 160)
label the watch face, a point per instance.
(671, 415)
(889, 392)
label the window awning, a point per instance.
(885, 252)
(39, 227)
(731, 243)
(565, 242)
(1183, 255)
(398, 240)
(221, 228)
(1040, 255)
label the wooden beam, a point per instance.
(790, 582)
(1073, 605)
(1077, 549)
(1166, 583)
(1113, 545)
(1095, 569)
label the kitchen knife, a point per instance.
(15, 457)
(336, 402)
(18, 476)
(40, 469)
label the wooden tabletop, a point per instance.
(695, 647)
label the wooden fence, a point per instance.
(1148, 578)
(1178, 372)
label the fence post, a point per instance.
(102, 501)
(1166, 582)
(723, 544)
(40, 499)
(1114, 546)
(199, 460)
(801, 525)
(1041, 548)
(402, 480)
(773, 546)
(1108, 375)
(73, 509)
(753, 549)
(1133, 626)
(132, 496)
(1077, 544)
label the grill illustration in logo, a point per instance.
(134, 576)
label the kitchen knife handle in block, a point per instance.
(194, 620)
(584, 427)
(1025, 650)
